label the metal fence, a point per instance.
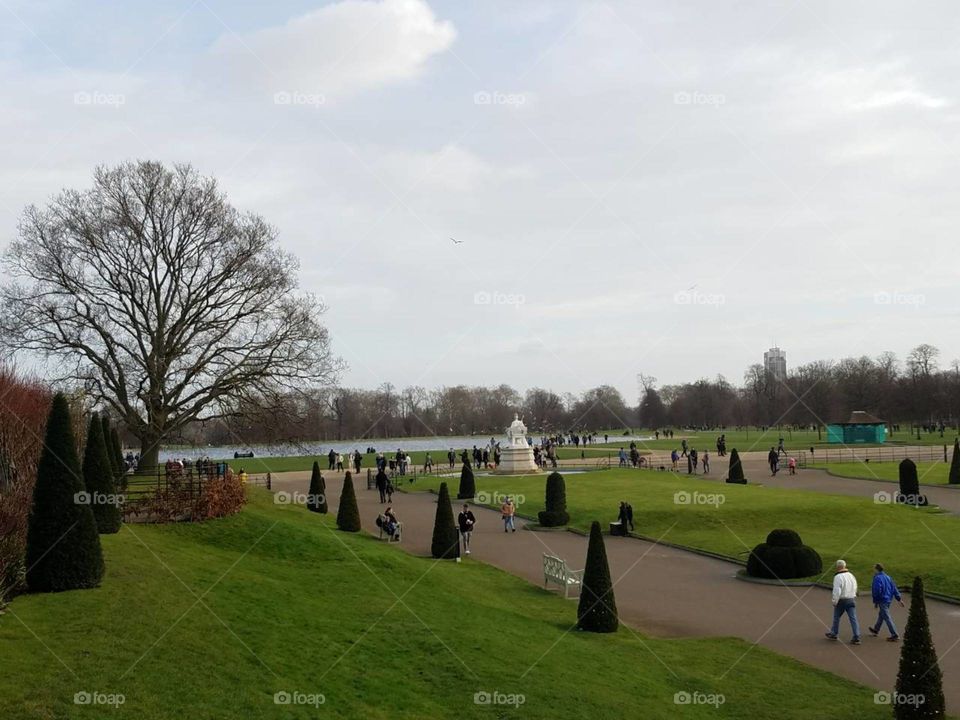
(884, 453)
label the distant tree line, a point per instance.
(916, 392)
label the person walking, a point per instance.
(382, 481)
(705, 461)
(466, 521)
(451, 458)
(884, 591)
(428, 463)
(357, 460)
(623, 458)
(339, 462)
(674, 456)
(683, 446)
(507, 511)
(774, 461)
(844, 599)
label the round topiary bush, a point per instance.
(783, 556)
(556, 513)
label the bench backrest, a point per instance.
(554, 567)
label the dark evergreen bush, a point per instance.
(98, 478)
(348, 514)
(597, 611)
(919, 675)
(954, 476)
(317, 498)
(468, 486)
(108, 445)
(556, 513)
(910, 484)
(446, 540)
(63, 547)
(735, 473)
(783, 556)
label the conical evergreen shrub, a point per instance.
(468, 486)
(107, 433)
(555, 502)
(348, 514)
(63, 547)
(597, 611)
(919, 677)
(954, 476)
(910, 484)
(98, 478)
(735, 473)
(116, 448)
(446, 541)
(317, 499)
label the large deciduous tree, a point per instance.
(167, 302)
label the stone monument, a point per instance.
(516, 458)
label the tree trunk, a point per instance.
(149, 453)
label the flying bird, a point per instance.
(457, 242)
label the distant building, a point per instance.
(775, 363)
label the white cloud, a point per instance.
(341, 48)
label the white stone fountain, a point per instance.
(516, 458)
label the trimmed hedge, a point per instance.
(910, 484)
(63, 547)
(555, 501)
(468, 486)
(348, 514)
(98, 477)
(445, 543)
(919, 674)
(597, 610)
(317, 497)
(735, 473)
(783, 556)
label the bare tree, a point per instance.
(163, 299)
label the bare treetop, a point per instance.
(167, 302)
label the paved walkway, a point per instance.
(674, 593)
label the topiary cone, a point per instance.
(555, 501)
(468, 486)
(317, 498)
(954, 476)
(348, 514)
(98, 477)
(910, 484)
(919, 675)
(63, 547)
(446, 541)
(597, 611)
(108, 445)
(735, 473)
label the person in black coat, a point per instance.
(382, 481)
(466, 521)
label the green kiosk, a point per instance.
(861, 427)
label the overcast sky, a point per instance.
(659, 187)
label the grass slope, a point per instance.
(211, 620)
(930, 473)
(907, 541)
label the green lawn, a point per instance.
(930, 473)
(861, 531)
(212, 620)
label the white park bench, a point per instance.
(556, 570)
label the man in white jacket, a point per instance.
(844, 601)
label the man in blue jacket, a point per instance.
(884, 592)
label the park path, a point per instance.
(668, 592)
